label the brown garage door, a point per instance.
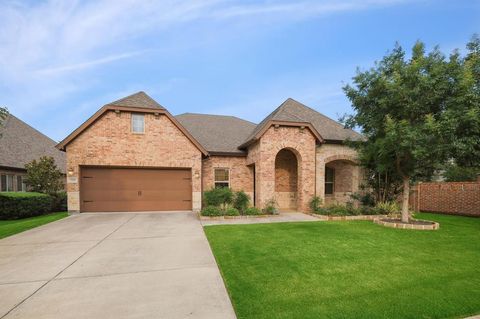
(135, 189)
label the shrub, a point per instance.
(24, 204)
(218, 197)
(387, 208)
(231, 211)
(252, 211)
(271, 207)
(43, 176)
(59, 202)
(455, 173)
(315, 203)
(364, 198)
(240, 201)
(211, 211)
(345, 210)
(340, 210)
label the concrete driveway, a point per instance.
(112, 265)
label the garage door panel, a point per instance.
(135, 189)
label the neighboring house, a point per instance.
(133, 155)
(20, 144)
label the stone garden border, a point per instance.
(354, 217)
(431, 226)
(201, 217)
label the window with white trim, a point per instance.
(329, 180)
(222, 177)
(138, 123)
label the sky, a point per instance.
(60, 61)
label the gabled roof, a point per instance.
(219, 134)
(138, 102)
(296, 112)
(20, 144)
(139, 99)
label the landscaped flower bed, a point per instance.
(223, 203)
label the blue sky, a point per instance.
(62, 60)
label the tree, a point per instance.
(402, 107)
(43, 176)
(3, 115)
(455, 173)
(462, 117)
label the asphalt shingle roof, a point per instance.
(294, 111)
(20, 144)
(217, 133)
(139, 99)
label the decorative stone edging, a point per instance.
(432, 226)
(201, 217)
(355, 217)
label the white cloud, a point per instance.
(88, 64)
(49, 49)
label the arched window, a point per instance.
(329, 180)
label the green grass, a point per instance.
(12, 227)
(350, 269)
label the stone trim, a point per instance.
(356, 217)
(432, 226)
(201, 217)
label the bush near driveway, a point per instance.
(253, 211)
(212, 211)
(15, 205)
(225, 202)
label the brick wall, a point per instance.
(459, 198)
(241, 175)
(348, 175)
(110, 141)
(263, 154)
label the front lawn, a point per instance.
(12, 227)
(350, 269)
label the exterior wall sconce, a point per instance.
(117, 112)
(196, 174)
(70, 172)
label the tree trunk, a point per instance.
(406, 193)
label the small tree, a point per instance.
(402, 106)
(3, 116)
(455, 173)
(43, 176)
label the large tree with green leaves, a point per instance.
(409, 109)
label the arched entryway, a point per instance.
(286, 180)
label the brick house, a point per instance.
(20, 144)
(133, 155)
